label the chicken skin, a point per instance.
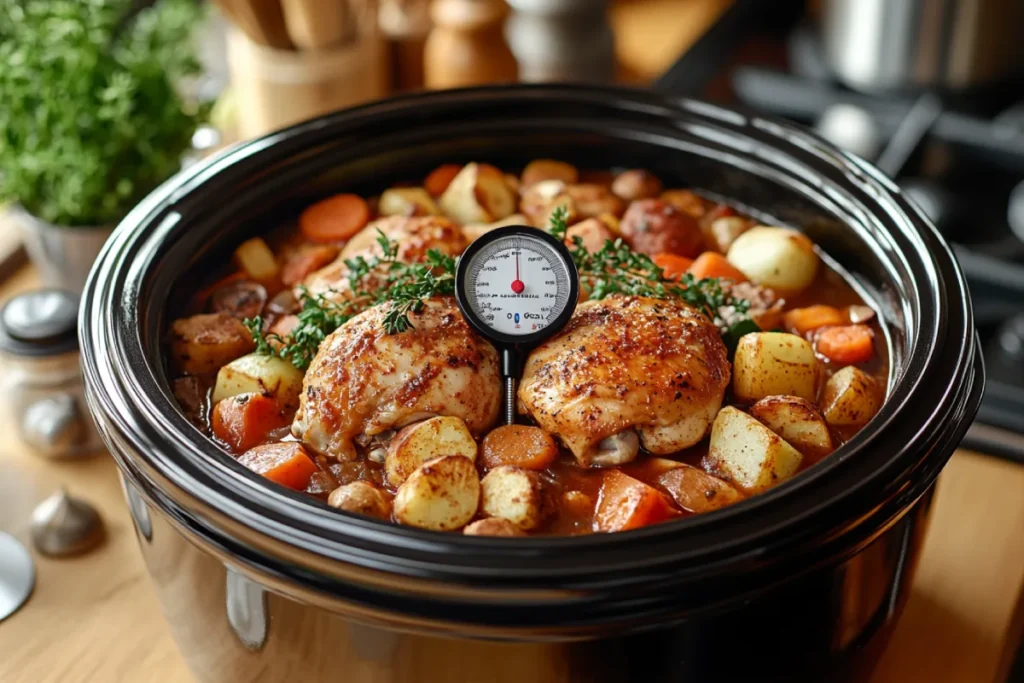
(364, 381)
(414, 236)
(623, 367)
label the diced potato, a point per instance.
(591, 200)
(474, 230)
(478, 194)
(257, 260)
(407, 201)
(200, 345)
(797, 421)
(592, 231)
(514, 494)
(539, 200)
(520, 446)
(493, 526)
(361, 498)
(442, 494)
(749, 454)
(627, 503)
(780, 258)
(540, 170)
(256, 374)
(775, 364)
(686, 201)
(651, 468)
(851, 398)
(423, 441)
(696, 491)
(725, 230)
(636, 184)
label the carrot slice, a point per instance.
(627, 503)
(803, 320)
(304, 261)
(711, 264)
(245, 421)
(846, 344)
(286, 464)
(675, 266)
(440, 178)
(334, 219)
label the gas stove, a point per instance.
(961, 158)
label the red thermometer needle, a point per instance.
(517, 284)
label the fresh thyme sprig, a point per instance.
(616, 269)
(372, 281)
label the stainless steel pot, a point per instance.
(950, 45)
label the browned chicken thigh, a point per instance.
(363, 381)
(625, 371)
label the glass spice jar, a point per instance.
(41, 376)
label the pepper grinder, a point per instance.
(562, 40)
(467, 45)
(42, 382)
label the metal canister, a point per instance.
(42, 378)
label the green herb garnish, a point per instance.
(617, 269)
(90, 123)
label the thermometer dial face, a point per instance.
(517, 285)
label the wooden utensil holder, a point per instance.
(276, 88)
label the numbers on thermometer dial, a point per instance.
(517, 285)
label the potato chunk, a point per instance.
(593, 232)
(520, 446)
(696, 491)
(775, 364)
(636, 184)
(255, 374)
(797, 421)
(493, 526)
(780, 258)
(514, 494)
(540, 170)
(851, 398)
(478, 194)
(201, 344)
(749, 454)
(423, 441)
(442, 494)
(407, 201)
(627, 503)
(257, 260)
(473, 230)
(361, 498)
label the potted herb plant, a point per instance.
(91, 119)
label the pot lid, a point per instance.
(39, 323)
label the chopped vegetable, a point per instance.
(257, 260)
(361, 498)
(780, 258)
(493, 526)
(803, 320)
(334, 219)
(287, 464)
(514, 494)
(774, 364)
(440, 178)
(696, 491)
(626, 503)
(245, 421)
(203, 343)
(846, 344)
(305, 261)
(673, 266)
(478, 194)
(851, 398)
(260, 374)
(749, 454)
(540, 170)
(442, 494)
(636, 184)
(423, 441)
(518, 445)
(797, 421)
(407, 201)
(711, 264)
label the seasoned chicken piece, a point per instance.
(658, 367)
(415, 236)
(364, 381)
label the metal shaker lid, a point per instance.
(39, 323)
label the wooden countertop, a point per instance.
(95, 618)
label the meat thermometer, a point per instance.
(516, 286)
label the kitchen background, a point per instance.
(930, 91)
